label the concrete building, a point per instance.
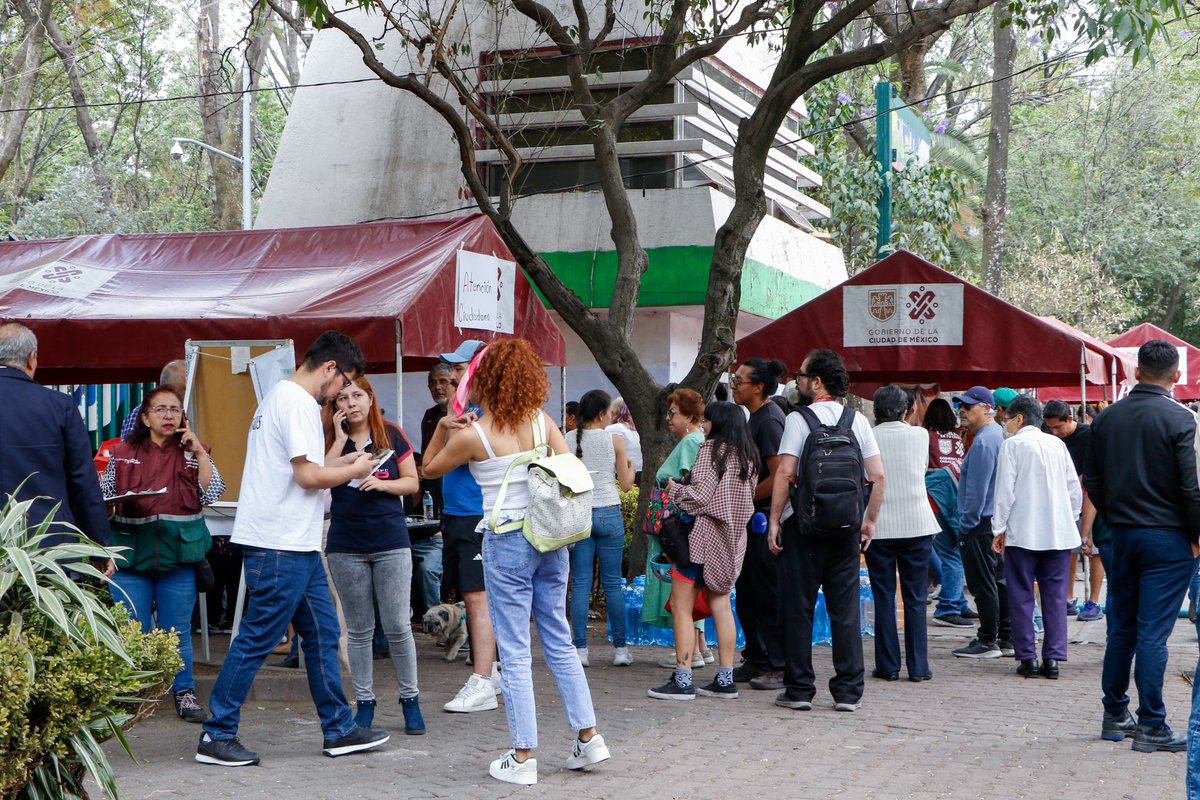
(354, 152)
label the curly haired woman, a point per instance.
(510, 386)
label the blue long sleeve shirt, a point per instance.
(977, 484)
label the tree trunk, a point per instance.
(26, 65)
(218, 132)
(83, 117)
(996, 192)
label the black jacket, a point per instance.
(42, 435)
(1140, 468)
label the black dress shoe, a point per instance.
(885, 676)
(290, 661)
(1028, 668)
(1050, 669)
(1148, 740)
(1115, 729)
(928, 676)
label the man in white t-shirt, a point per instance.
(811, 562)
(278, 523)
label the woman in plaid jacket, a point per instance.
(720, 494)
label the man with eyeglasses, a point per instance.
(46, 452)
(279, 525)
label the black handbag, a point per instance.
(674, 535)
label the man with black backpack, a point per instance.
(824, 503)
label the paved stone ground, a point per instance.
(976, 730)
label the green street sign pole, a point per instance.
(883, 156)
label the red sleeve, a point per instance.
(400, 443)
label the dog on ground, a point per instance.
(447, 621)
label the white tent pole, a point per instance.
(1082, 379)
(562, 393)
(1114, 379)
(399, 374)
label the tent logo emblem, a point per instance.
(60, 274)
(923, 305)
(882, 304)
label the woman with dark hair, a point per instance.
(685, 411)
(945, 445)
(369, 551)
(903, 539)
(604, 455)
(511, 387)
(720, 495)
(166, 532)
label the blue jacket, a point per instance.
(43, 442)
(977, 484)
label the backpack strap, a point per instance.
(810, 418)
(846, 421)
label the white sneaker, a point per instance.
(509, 770)
(622, 657)
(584, 754)
(477, 694)
(583, 656)
(708, 656)
(669, 663)
(496, 678)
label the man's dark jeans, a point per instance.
(809, 563)
(1149, 575)
(758, 604)
(985, 578)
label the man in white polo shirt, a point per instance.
(279, 525)
(811, 562)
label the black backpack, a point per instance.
(830, 495)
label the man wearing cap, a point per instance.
(462, 562)
(1003, 396)
(976, 495)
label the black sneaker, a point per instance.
(188, 707)
(671, 690)
(791, 698)
(714, 689)
(1162, 738)
(953, 621)
(746, 673)
(355, 741)
(1006, 648)
(970, 614)
(1115, 729)
(978, 649)
(224, 752)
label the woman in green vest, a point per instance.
(165, 531)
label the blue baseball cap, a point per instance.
(976, 395)
(465, 352)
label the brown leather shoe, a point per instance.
(768, 680)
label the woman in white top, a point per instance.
(510, 386)
(903, 539)
(605, 457)
(622, 423)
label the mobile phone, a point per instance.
(345, 426)
(382, 455)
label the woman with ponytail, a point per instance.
(605, 456)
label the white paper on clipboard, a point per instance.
(270, 368)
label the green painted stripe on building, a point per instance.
(678, 276)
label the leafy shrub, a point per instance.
(74, 670)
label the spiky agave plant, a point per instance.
(74, 670)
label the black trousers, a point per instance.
(758, 604)
(809, 563)
(984, 569)
(911, 558)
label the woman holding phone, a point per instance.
(165, 532)
(369, 550)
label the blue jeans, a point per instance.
(951, 599)
(170, 595)
(520, 582)
(283, 587)
(427, 574)
(607, 541)
(1193, 740)
(1151, 571)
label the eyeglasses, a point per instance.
(347, 383)
(808, 375)
(672, 412)
(167, 411)
(737, 380)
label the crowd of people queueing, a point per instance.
(778, 495)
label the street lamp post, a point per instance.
(243, 162)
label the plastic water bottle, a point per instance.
(635, 632)
(866, 603)
(427, 505)
(821, 631)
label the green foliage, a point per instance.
(73, 670)
(629, 507)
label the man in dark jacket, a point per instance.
(1140, 471)
(43, 443)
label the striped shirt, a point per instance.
(905, 512)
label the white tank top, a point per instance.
(489, 474)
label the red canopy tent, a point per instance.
(117, 307)
(1127, 343)
(1119, 363)
(905, 320)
